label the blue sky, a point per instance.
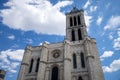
(31, 22)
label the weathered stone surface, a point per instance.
(60, 55)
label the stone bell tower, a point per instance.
(76, 58)
(86, 62)
(75, 25)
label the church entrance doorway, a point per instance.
(54, 73)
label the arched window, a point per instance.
(31, 65)
(75, 22)
(82, 60)
(74, 61)
(54, 73)
(80, 78)
(71, 22)
(73, 35)
(79, 34)
(37, 65)
(79, 21)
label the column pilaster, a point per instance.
(24, 63)
(34, 64)
(62, 73)
(89, 60)
(76, 34)
(78, 61)
(67, 61)
(47, 74)
(43, 62)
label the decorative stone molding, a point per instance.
(25, 64)
(90, 56)
(66, 42)
(67, 59)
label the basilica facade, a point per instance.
(76, 58)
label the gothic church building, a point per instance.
(76, 58)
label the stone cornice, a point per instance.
(26, 64)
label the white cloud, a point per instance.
(86, 4)
(12, 37)
(114, 66)
(62, 4)
(88, 19)
(46, 42)
(15, 46)
(12, 71)
(111, 36)
(99, 20)
(9, 67)
(37, 15)
(93, 8)
(3, 58)
(118, 32)
(29, 41)
(113, 23)
(15, 64)
(5, 66)
(107, 54)
(103, 48)
(116, 44)
(14, 55)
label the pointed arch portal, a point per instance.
(54, 73)
(80, 78)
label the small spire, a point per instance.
(74, 10)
